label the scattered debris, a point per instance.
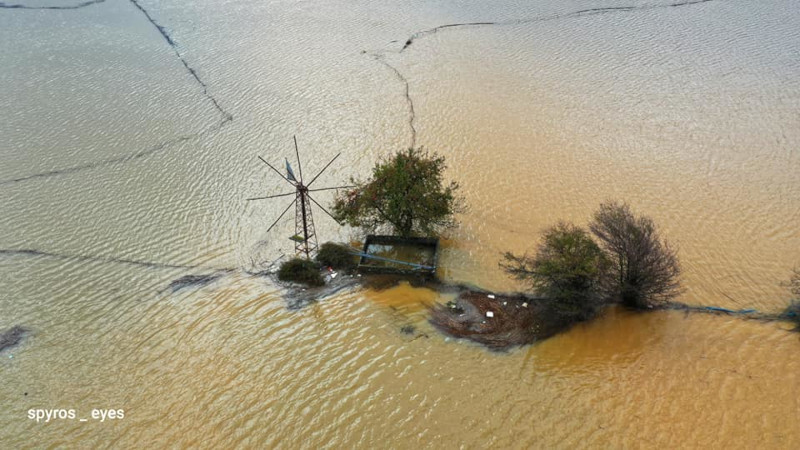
(454, 306)
(498, 323)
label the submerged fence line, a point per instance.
(790, 314)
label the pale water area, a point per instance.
(130, 131)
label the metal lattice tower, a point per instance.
(304, 225)
(305, 235)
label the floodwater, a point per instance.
(128, 149)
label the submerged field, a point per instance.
(130, 134)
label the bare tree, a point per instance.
(644, 268)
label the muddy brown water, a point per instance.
(122, 173)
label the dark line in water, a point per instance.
(748, 313)
(118, 160)
(193, 281)
(186, 281)
(165, 34)
(77, 6)
(411, 113)
(227, 117)
(582, 12)
(100, 259)
(379, 56)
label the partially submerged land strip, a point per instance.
(498, 321)
(504, 320)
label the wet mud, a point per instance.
(194, 281)
(12, 337)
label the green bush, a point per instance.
(567, 270)
(302, 271)
(337, 256)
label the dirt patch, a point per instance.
(498, 321)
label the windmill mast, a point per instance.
(304, 223)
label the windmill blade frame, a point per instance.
(297, 152)
(323, 170)
(305, 236)
(276, 170)
(270, 196)
(323, 209)
(294, 202)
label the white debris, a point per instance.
(505, 303)
(489, 314)
(525, 305)
(491, 296)
(333, 275)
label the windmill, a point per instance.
(305, 236)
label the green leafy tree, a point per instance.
(406, 196)
(644, 272)
(567, 270)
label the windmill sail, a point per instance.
(289, 172)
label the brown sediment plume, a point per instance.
(499, 321)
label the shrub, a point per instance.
(792, 312)
(302, 271)
(406, 195)
(644, 270)
(794, 284)
(567, 270)
(338, 256)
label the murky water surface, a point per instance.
(127, 152)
